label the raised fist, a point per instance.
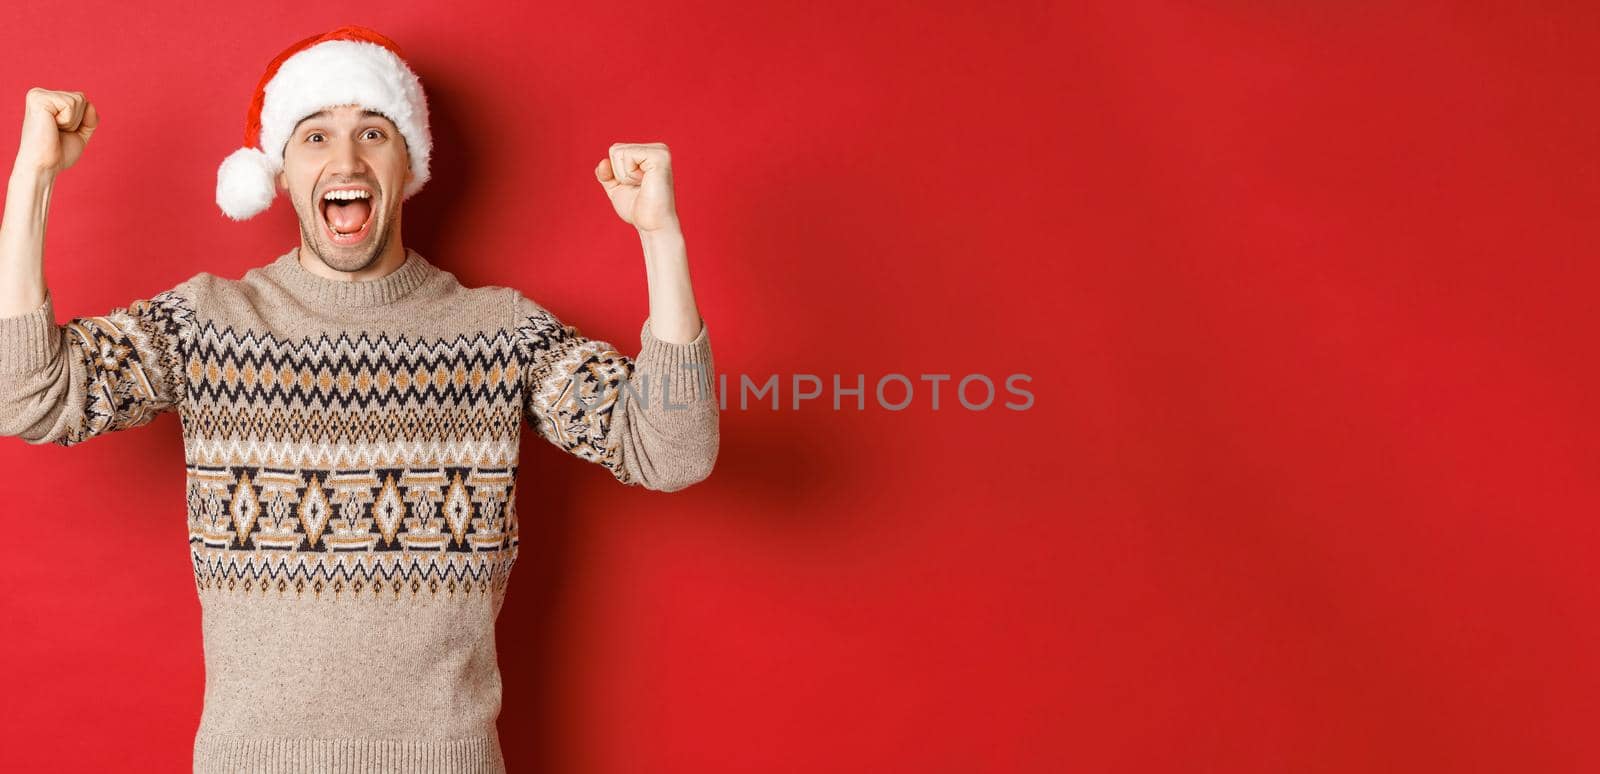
(638, 178)
(55, 128)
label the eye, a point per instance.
(313, 134)
(379, 132)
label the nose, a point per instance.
(346, 158)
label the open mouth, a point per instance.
(347, 215)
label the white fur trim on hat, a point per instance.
(334, 72)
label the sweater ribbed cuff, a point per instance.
(685, 368)
(30, 341)
(223, 754)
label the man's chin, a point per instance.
(350, 257)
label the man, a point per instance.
(351, 416)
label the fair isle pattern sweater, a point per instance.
(352, 459)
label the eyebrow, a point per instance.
(325, 114)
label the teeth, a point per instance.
(347, 195)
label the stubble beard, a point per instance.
(335, 257)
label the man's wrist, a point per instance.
(30, 177)
(662, 243)
(668, 227)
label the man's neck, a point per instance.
(392, 258)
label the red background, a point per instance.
(1308, 484)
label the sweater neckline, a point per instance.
(387, 289)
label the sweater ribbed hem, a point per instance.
(29, 342)
(225, 754)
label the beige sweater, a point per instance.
(352, 465)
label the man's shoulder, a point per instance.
(516, 303)
(191, 290)
(205, 286)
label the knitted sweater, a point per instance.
(352, 452)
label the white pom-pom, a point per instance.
(245, 184)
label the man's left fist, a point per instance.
(638, 178)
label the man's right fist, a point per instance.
(55, 128)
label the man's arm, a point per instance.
(65, 384)
(637, 178)
(48, 118)
(652, 420)
(673, 314)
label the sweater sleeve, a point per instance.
(651, 420)
(65, 384)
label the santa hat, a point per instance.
(348, 66)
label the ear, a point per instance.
(411, 169)
(405, 147)
(283, 181)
